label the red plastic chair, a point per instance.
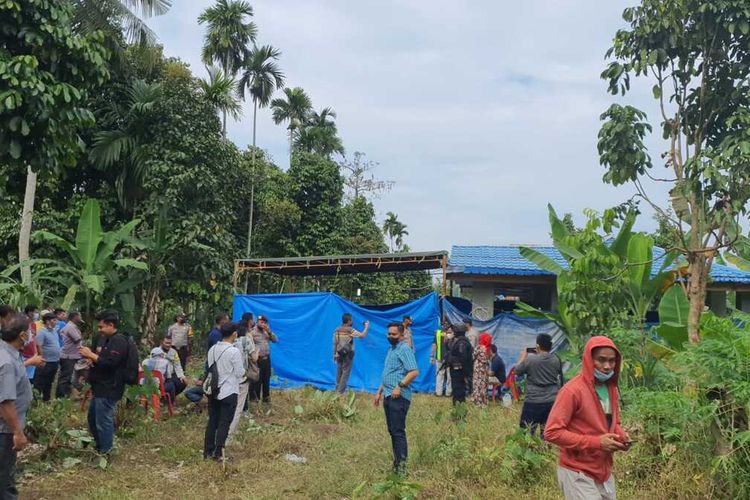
(156, 398)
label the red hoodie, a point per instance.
(577, 420)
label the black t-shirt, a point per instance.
(106, 374)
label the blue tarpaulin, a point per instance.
(510, 333)
(305, 323)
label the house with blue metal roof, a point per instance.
(495, 277)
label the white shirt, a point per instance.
(231, 369)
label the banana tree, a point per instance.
(93, 266)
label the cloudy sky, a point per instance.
(480, 111)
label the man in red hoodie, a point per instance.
(585, 424)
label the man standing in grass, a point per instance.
(585, 424)
(48, 344)
(343, 350)
(399, 372)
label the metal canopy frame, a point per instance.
(332, 265)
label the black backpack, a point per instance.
(456, 352)
(211, 383)
(130, 370)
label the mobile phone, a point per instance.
(531, 350)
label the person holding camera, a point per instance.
(343, 349)
(543, 372)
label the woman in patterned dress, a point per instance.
(481, 369)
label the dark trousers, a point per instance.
(182, 352)
(8, 489)
(261, 389)
(101, 419)
(220, 415)
(65, 379)
(458, 385)
(343, 371)
(535, 415)
(395, 419)
(178, 385)
(45, 377)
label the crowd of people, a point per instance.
(37, 349)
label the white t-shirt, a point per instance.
(231, 369)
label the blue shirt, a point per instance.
(214, 337)
(49, 344)
(14, 385)
(498, 368)
(399, 361)
(58, 327)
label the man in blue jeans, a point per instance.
(399, 372)
(106, 379)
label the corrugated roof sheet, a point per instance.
(507, 260)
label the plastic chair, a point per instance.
(156, 398)
(510, 384)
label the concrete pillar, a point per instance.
(717, 301)
(482, 300)
(742, 302)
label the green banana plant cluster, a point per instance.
(95, 269)
(620, 270)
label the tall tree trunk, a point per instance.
(27, 216)
(291, 145)
(252, 185)
(224, 124)
(150, 314)
(696, 289)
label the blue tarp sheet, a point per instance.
(305, 324)
(510, 333)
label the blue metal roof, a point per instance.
(508, 261)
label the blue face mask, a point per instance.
(601, 376)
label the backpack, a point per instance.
(344, 343)
(130, 370)
(211, 382)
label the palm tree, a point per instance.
(228, 37)
(220, 90)
(261, 77)
(122, 148)
(106, 15)
(395, 230)
(295, 110)
(320, 135)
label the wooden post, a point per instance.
(445, 273)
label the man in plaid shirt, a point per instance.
(399, 372)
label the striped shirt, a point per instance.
(399, 361)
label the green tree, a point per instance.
(320, 135)
(113, 17)
(395, 230)
(47, 70)
(695, 52)
(316, 186)
(220, 90)
(261, 77)
(122, 151)
(294, 109)
(228, 37)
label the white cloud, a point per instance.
(481, 111)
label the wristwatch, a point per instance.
(402, 385)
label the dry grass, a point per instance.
(448, 460)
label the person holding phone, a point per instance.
(343, 349)
(262, 337)
(585, 424)
(543, 372)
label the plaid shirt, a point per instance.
(399, 361)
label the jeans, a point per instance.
(102, 422)
(8, 489)
(458, 383)
(343, 370)
(195, 394)
(220, 414)
(395, 419)
(443, 381)
(65, 379)
(45, 377)
(261, 388)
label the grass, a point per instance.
(347, 457)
